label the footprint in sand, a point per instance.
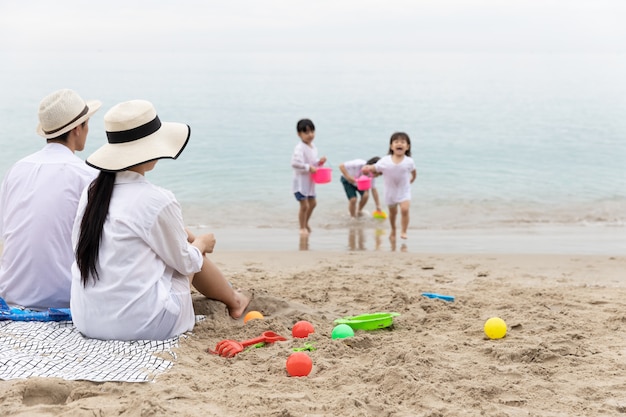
(49, 391)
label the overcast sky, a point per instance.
(29, 26)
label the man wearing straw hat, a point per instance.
(38, 201)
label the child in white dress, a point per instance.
(398, 170)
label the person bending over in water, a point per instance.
(350, 172)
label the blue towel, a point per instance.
(24, 314)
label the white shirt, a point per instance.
(354, 169)
(143, 290)
(304, 156)
(38, 200)
(397, 178)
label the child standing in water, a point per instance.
(350, 171)
(398, 169)
(304, 162)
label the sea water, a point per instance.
(525, 145)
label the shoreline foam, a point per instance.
(590, 240)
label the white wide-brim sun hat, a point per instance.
(62, 111)
(137, 135)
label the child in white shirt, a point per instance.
(398, 169)
(304, 162)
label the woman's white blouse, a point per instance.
(144, 262)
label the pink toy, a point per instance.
(322, 175)
(364, 183)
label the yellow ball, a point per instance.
(495, 328)
(252, 315)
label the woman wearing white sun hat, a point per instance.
(135, 260)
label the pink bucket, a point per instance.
(322, 175)
(363, 183)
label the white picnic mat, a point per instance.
(57, 349)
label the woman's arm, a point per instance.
(205, 243)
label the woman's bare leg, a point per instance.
(211, 283)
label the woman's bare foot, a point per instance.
(404, 235)
(241, 303)
(304, 232)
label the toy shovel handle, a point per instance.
(448, 298)
(254, 341)
(271, 337)
(267, 337)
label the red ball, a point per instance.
(302, 329)
(299, 364)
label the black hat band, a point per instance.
(136, 133)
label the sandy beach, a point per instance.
(516, 117)
(563, 355)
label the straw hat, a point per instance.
(62, 111)
(137, 135)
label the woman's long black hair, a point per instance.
(98, 200)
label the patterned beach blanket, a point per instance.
(57, 349)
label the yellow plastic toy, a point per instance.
(379, 214)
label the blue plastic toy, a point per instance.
(24, 314)
(448, 298)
